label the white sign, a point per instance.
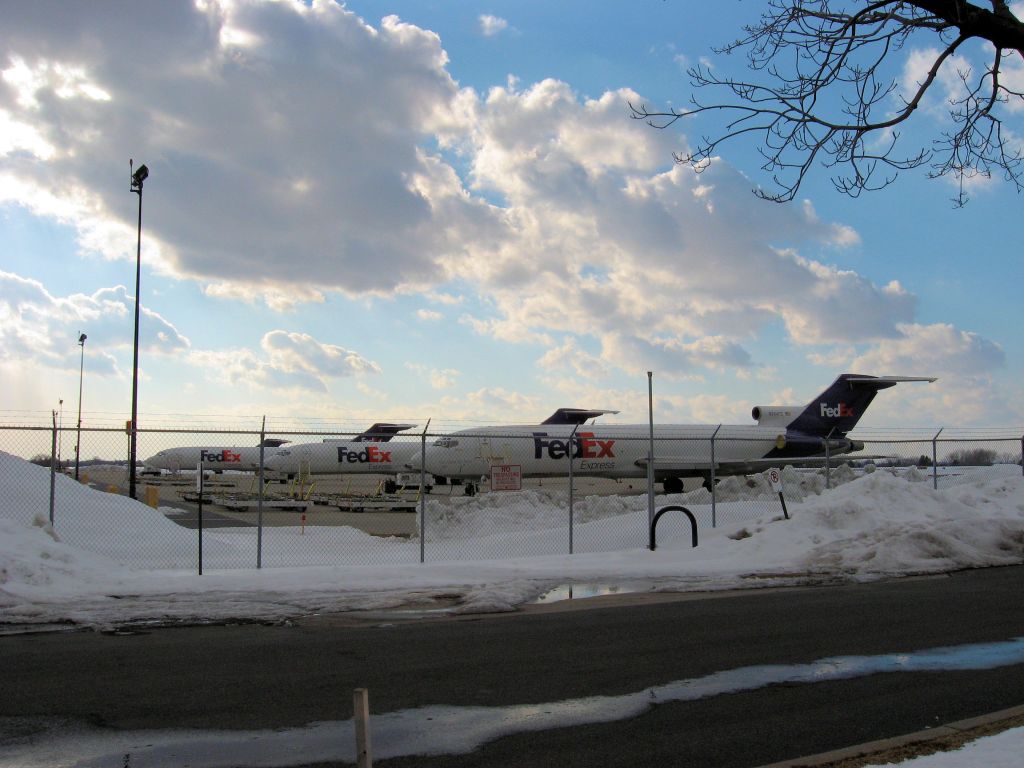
(774, 479)
(507, 477)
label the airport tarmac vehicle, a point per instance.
(801, 434)
(215, 459)
(371, 452)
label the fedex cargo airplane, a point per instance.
(362, 454)
(247, 459)
(217, 459)
(783, 434)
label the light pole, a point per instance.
(138, 177)
(78, 429)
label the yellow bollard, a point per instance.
(153, 496)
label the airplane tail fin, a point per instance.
(573, 416)
(381, 432)
(837, 410)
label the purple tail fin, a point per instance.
(837, 410)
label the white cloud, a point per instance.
(429, 315)
(292, 160)
(949, 89)
(933, 349)
(492, 25)
(493, 405)
(290, 361)
(569, 357)
(39, 328)
(671, 357)
(301, 352)
(437, 378)
(606, 242)
(297, 150)
(273, 297)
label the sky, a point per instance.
(409, 210)
(866, 527)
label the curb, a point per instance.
(871, 748)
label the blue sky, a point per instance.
(443, 210)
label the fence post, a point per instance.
(1022, 454)
(714, 491)
(935, 460)
(200, 516)
(650, 451)
(828, 459)
(53, 465)
(572, 453)
(259, 499)
(423, 490)
(361, 707)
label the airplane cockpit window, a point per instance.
(446, 442)
(284, 453)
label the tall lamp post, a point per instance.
(138, 176)
(78, 430)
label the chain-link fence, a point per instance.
(511, 495)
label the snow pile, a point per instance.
(881, 524)
(110, 558)
(107, 524)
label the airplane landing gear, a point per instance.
(672, 484)
(470, 489)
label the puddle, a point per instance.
(441, 729)
(583, 590)
(32, 629)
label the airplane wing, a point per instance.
(750, 466)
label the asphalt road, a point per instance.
(251, 677)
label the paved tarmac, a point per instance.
(246, 677)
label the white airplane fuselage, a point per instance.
(338, 457)
(218, 459)
(612, 451)
(783, 434)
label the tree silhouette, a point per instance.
(824, 89)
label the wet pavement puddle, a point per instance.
(441, 729)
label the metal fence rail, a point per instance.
(348, 520)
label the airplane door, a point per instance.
(484, 449)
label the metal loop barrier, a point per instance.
(662, 511)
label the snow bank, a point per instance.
(109, 559)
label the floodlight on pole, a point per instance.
(78, 430)
(138, 176)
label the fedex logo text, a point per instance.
(223, 457)
(369, 455)
(585, 446)
(840, 411)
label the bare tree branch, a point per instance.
(826, 93)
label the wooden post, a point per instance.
(361, 706)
